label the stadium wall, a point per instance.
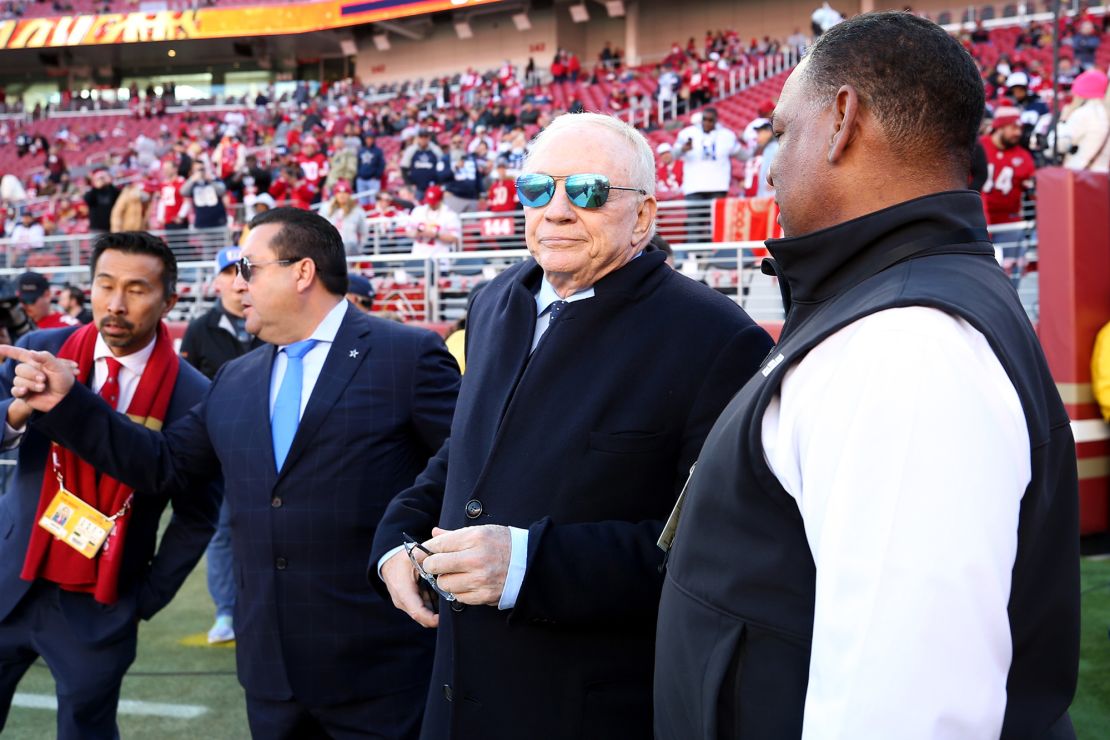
(442, 52)
(648, 30)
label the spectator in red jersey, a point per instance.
(293, 188)
(574, 67)
(668, 173)
(313, 164)
(1010, 167)
(172, 208)
(230, 157)
(501, 196)
(558, 69)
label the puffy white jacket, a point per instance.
(1086, 129)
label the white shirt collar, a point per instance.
(329, 327)
(135, 362)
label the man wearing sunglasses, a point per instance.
(314, 433)
(593, 374)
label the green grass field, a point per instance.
(168, 671)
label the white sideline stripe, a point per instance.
(1090, 430)
(126, 706)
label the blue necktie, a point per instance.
(287, 406)
(553, 313)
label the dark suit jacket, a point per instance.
(207, 345)
(148, 579)
(586, 444)
(307, 624)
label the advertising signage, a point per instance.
(211, 23)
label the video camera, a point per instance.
(12, 316)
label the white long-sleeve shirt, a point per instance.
(904, 443)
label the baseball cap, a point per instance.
(433, 195)
(1017, 79)
(265, 199)
(1004, 116)
(227, 257)
(424, 132)
(342, 186)
(762, 123)
(359, 285)
(31, 286)
(663, 148)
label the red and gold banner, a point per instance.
(745, 219)
(211, 23)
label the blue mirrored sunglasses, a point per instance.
(585, 191)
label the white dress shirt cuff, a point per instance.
(518, 563)
(385, 558)
(12, 437)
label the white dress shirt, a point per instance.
(904, 443)
(131, 370)
(313, 360)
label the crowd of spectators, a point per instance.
(367, 155)
(339, 146)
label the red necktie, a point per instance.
(110, 390)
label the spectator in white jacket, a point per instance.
(706, 150)
(1085, 135)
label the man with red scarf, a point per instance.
(81, 615)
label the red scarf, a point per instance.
(55, 561)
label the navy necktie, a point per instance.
(287, 406)
(553, 313)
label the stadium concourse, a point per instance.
(196, 170)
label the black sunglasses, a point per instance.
(585, 191)
(246, 268)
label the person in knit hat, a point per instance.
(1010, 167)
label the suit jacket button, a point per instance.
(280, 563)
(448, 693)
(473, 508)
(457, 606)
(276, 502)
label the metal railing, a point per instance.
(435, 290)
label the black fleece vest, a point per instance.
(736, 618)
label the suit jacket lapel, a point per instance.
(258, 380)
(348, 352)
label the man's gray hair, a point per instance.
(642, 166)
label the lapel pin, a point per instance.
(354, 353)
